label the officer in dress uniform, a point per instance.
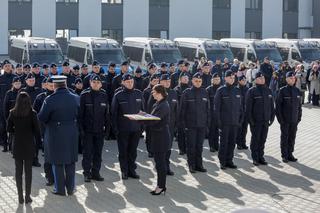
(59, 113)
(94, 125)
(66, 71)
(20, 74)
(95, 71)
(109, 76)
(45, 70)
(53, 69)
(127, 101)
(37, 107)
(182, 86)
(37, 74)
(195, 117)
(76, 71)
(116, 81)
(152, 69)
(206, 76)
(84, 71)
(26, 69)
(138, 80)
(214, 128)
(172, 99)
(228, 109)
(260, 114)
(175, 76)
(163, 68)
(78, 86)
(242, 131)
(289, 112)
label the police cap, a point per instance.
(127, 76)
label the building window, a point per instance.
(159, 3)
(290, 35)
(254, 4)
(253, 35)
(112, 1)
(158, 34)
(220, 34)
(115, 34)
(221, 3)
(290, 5)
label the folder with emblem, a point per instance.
(142, 117)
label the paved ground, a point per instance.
(279, 187)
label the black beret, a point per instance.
(84, 66)
(18, 65)
(180, 62)
(76, 67)
(65, 64)
(5, 62)
(154, 76)
(165, 77)
(259, 74)
(35, 65)
(95, 63)
(228, 73)
(138, 70)
(16, 79)
(29, 76)
(26, 66)
(45, 66)
(112, 64)
(289, 74)
(242, 77)
(215, 75)
(127, 76)
(164, 64)
(95, 77)
(77, 81)
(197, 75)
(53, 65)
(125, 63)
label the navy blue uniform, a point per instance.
(267, 71)
(214, 128)
(206, 80)
(228, 109)
(128, 132)
(260, 114)
(39, 78)
(181, 133)
(86, 81)
(59, 113)
(175, 78)
(289, 112)
(147, 106)
(195, 114)
(138, 83)
(95, 123)
(242, 131)
(70, 80)
(33, 92)
(116, 82)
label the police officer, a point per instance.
(37, 74)
(19, 73)
(260, 114)
(94, 124)
(95, 71)
(206, 76)
(152, 69)
(84, 71)
(163, 68)
(172, 68)
(138, 80)
(76, 71)
(78, 86)
(127, 101)
(53, 69)
(182, 86)
(289, 112)
(116, 81)
(228, 109)
(66, 71)
(37, 107)
(242, 131)
(266, 70)
(175, 76)
(218, 68)
(59, 114)
(154, 79)
(195, 114)
(26, 69)
(45, 70)
(214, 128)
(172, 99)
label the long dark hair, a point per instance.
(23, 106)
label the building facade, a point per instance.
(62, 19)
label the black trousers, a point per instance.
(315, 99)
(227, 143)
(288, 138)
(27, 165)
(92, 151)
(48, 171)
(181, 140)
(127, 147)
(259, 133)
(37, 144)
(160, 160)
(214, 134)
(195, 138)
(242, 133)
(148, 139)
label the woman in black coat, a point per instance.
(24, 126)
(160, 136)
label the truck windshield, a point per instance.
(214, 54)
(273, 55)
(105, 56)
(166, 55)
(309, 55)
(46, 56)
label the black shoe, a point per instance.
(159, 193)
(256, 163)
(231, 165)
(239, 147)
(49, 182)
(58, 193)
(170, 173)
(97, 177)
(124, 176)
(263, 162)
(212, 149)
(182, 153)
(245, 147)
(201, 169)
(36, 164)
(192, 169)
(223, 166)
(285, 160)
(87, 179)
(71, 192)
(28, 199)
(21, 200)
(150, 155)
(292, 159)
(134, 175)
(5, 149)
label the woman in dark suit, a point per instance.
(24, 126)
(160, 136)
